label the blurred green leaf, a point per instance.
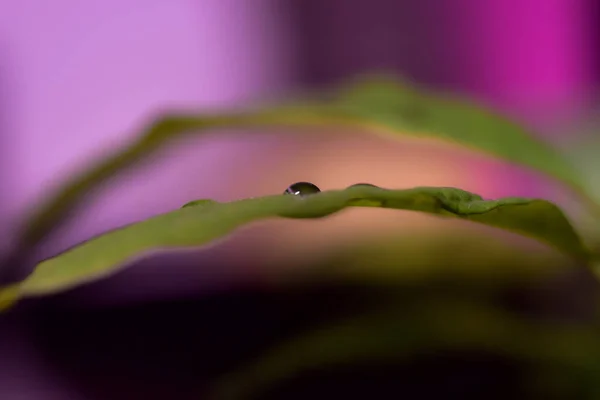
(198, 225)
(379, 104)
(408, 110)
(469, 255)
(392, 334)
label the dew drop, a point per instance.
(302, 189)
(202, 202)
(363, 184)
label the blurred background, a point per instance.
(80, 78)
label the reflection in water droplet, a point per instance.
(302, 189)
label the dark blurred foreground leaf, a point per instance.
(379, 105)
(568, 351)
(416, 257)
(198, 225)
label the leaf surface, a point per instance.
(199, 223)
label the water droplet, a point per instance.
(302, 189)
(363, 184)
(201, 202)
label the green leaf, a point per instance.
(198, 225)
(380, 105)
(395, 335)
(405, 109)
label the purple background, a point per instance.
(77, 78)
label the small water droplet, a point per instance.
(201, 202)
(302, 189)
(363, 184)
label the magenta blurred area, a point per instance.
(78, 79)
